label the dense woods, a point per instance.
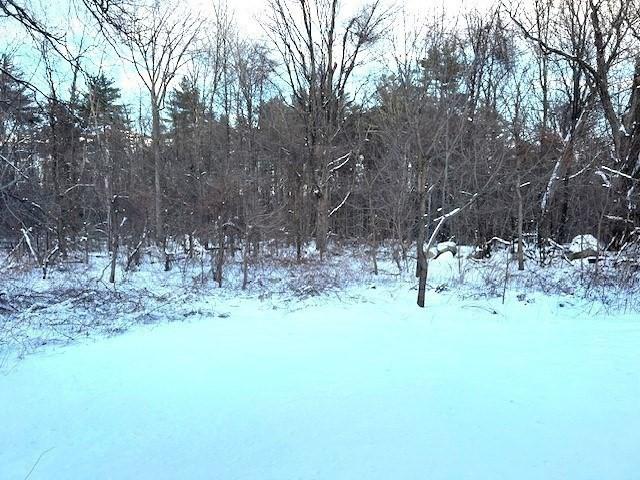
(517, 121)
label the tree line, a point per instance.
(517, 122)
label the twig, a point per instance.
(38, 461)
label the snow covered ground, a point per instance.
(348, 383)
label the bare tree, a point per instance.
(160, 45)
(319, 58)
(596, 40)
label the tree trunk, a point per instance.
(245, 261)
(374, 236)
(322, 220)
(220, 258)
(155, 107)
(421, 263)
(520, 221)
(115, 243)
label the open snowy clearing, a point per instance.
(373, 389)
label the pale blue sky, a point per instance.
(247, 13)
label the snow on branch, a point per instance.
(618, 172)
(344, 200)
(12, 165)
(453, 212)
(549, 190)
(456, 211)
(603, 176)
(444, 218)
(578, 173)
(341, 161)
(78, 185)
(27, 239)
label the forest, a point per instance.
(319, 239)
(515, 124)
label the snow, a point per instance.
(623, 130)
(582, 243)
(348, 383)
(605, 180)
(448, 246)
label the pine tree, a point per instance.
(18, 122)
(17, 112)
(186, 108)
(100, 102)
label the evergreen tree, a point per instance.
(17, 111)
(18, 121)
(100, 102)
(186, 108)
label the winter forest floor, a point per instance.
(319, 371)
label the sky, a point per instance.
(248, 15)
(249, 12)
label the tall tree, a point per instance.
(319, 58)
(160, 43)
